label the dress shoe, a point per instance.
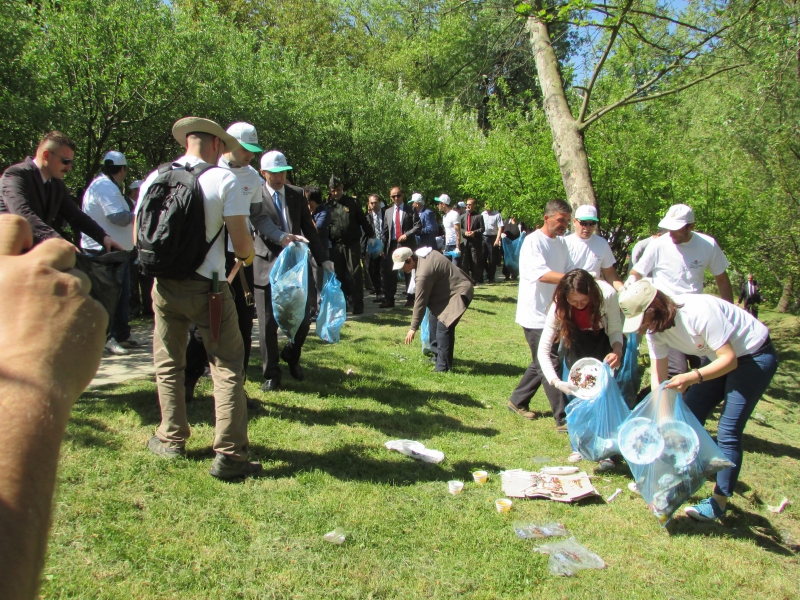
(562, 428)
(358, 311)
(409, 303)
(386, 305)
(522, 412)
(270, 385)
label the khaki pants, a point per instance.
(177, 305)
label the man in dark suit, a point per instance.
(35, 189)
(472, 226)
(398, 230)
(285, 206)
(750, 295)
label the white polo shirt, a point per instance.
(223, 198)
(449, 221)
(704, 324)
(680, 268)
(251, 183)
(539, 255)
(102, 198)
(590, 255)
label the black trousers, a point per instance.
(491, 257)
(390, 276)
(532, 379)
(443, 341)
(268, 335)
(349, 271)
(375, 271)
(196, 356)
(472, 258)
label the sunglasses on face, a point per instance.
(64, 161)
(396, 196)
(587, 223)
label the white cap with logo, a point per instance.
(274, 162)
(633, 301)
(586, 212)
(400, 256)
(678, 216)
(246, 135)
(416, 198)
(135, 185)
(444, 199)
(117, 159)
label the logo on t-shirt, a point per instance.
(695, 264)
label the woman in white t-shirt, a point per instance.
(587, 325)
(739, 363)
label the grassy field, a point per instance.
(128, 524)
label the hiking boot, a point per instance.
(707, 510)
(562, 428)
(156, 446)
(114, 348)
(522, 412)
(226, 468)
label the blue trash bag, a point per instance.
(374, 247)
(628, 374)
(332, 309)
(289, 281)
(511, 250)
(668, 451)
(593, 423)
(425, 334)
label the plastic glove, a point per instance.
(328, 266)
(564, 386)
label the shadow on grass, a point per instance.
(755, 444)
(739, 524)
(491, 298)
(90, 433)
(475, 367)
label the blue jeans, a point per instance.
(741, 389)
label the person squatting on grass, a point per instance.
(51, 340)
(738, 362)
(442, 288)
(588, 325)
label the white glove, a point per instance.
(328, 266)
(564, 386)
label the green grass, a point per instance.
(130, 525)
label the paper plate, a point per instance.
(560, 470)
(681, 443)
(582, 368)
(640, 441)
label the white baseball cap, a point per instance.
(444, 199)
(586, 212)
(633, 302)
(462, 205)
(416, 198)
(274, 162)
(117, 158)
(135, 185)
(246, 135)
(400, 256)
(678, 216)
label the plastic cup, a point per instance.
(455, 487)
(480, 477)
(503, 505)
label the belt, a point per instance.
(761, 350)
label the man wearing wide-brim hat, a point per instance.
(178, 303)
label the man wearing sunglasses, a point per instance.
(34, 189)
(591, 252)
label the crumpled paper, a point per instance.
(416, 450)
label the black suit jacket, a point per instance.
(407, 226)
(477, 226)
(299, 222)
(22, 193)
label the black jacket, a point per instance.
(347, 221)
(407, 226)
(22, 193)
(476, 223)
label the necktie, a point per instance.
(276, 198)
(397, 231)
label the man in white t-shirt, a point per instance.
(543, 261)
(590, 252)
(492, 236)
(641, 246)
(179, 303)
(678, 262)
(452, 230)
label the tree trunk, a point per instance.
(786, 297)
(568, 143)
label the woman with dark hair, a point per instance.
(585, 325)
(738, 364)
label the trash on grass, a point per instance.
(567, 557)
(416, 450)
(337, 536)
(529, 531)
(779, 509)
(480, 477)
(518, 483)
(503, 505)
(455, 487)
(614, 495)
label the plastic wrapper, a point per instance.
(105, 272)
(289, 281)
(628, 374)
(567, 557)
(416, 450)
(593, 424)
(425, 334)
(530, 531)
(511, 250)
(332, 309)
(337, 536)
(668, 451)
(374, 247)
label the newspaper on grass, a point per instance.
(416, 450)
(518, 483)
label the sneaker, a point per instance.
(707, 510)
(562, 428)
(131, 342)
(114, 348)
(575, 457)
(605, 464)
(226, 468)
(156, 446)
(522, 412)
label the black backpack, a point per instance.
(171, 223)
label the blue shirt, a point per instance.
(429, 229)
(322, 219)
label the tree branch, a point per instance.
(604, 7)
